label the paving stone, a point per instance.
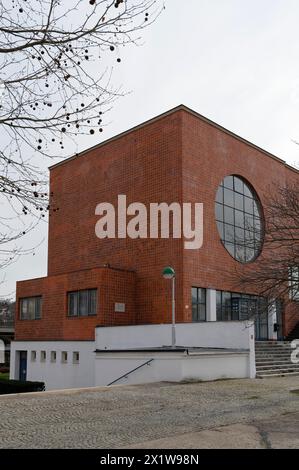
(126, 416)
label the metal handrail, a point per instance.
(130, 372)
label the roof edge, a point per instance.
(180, 107)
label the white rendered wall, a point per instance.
(209, 367)
(232, 335)
(56, 375)
(170, 366)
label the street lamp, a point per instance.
(169, 273)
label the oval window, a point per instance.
(239, 219)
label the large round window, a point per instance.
(239, 219)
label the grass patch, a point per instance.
(4, 376)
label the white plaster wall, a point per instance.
(109, 367)
(173, 367)
(234, 335)
(209, 367)
(56, 375)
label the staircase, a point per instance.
(294, 333)
(273, 359)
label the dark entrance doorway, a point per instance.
(23, 366)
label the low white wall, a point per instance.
(56, 375)
(233, 335)
(174, 367)
(209, 367)
(224, 335)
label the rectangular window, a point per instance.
(53, 356)
(76, 357)
(64, 356)
(82, 303)
(198, 304)
(33, 356)
(43, 356)
(30, 308)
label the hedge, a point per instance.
(18, 386)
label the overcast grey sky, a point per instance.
(234, 61)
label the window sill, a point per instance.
(29, 319)
(81, 316)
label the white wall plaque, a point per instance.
(119, 307)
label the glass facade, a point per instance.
(231, 306)
(198, 304)
(239, 219)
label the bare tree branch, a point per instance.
(56, 61)
(275, 274)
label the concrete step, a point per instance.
(283, 352)
(278, 371)
(282, 346)
(265, 357)
(271, 343)
(279, 351)
(273, 346)
(261, 348)
(284, 349)
(276, 374)
(278, 367)
(273, 361)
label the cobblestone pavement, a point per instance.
(129, 416)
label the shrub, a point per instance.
(4, 370)
(17, 386)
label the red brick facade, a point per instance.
(177, 157)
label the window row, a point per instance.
(231, 306)
(80, 304)
(64, 356)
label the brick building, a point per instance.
(179, 156)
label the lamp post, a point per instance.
(169, 273)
